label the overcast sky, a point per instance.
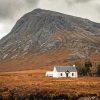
(12, 10)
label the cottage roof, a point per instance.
(66, 68)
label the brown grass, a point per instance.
(32, 62)
(35, 80)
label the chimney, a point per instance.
(73, 65)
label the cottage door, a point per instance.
(67, 72)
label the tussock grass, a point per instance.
(35, 81)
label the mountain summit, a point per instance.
(43, 34)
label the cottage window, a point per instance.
(72, 74)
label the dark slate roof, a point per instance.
(66, 68)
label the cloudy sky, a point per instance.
(12, 10)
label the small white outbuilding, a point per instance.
(63, 71)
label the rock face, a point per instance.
(43, 31)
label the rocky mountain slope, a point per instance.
(43, 32)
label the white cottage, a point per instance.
(63, 71)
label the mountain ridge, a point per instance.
(44, 31)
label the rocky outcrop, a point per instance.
(43, 31)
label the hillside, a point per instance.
(47, 38)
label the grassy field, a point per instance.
(35, 80)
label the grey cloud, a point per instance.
(82, 1)
(12, 10)
(98, 9)
(9, 8)
(71, 2)
(31, 2)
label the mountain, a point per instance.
(42, 37)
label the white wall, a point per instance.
(49, 73)
(74, 74)
(58, 74)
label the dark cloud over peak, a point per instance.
(11, 11)
(82, 1)
(71, 2)
(10, 8)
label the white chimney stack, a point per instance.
(73, 65)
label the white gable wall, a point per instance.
(55, 73)
(54, 70)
